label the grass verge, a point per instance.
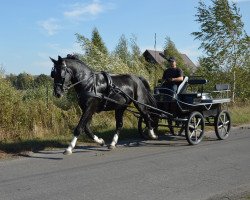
(240, 115)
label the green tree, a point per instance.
(42, 80)
(95, 52)
(136, 52)
(22, 81)
(2, 71)
(98, 42)
(122, 50)
(223, 39)
(222, 35)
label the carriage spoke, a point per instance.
(199, 130)
(226, 132)
(191, 135)
(220, 126)
(196, 136)
(191, 126)
(198, 123)
(222, 118)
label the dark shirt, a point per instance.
(172, 73)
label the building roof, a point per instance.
(159, 58)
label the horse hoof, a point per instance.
(102, 142)
(153, 137)
(111, 147)
(67, 152)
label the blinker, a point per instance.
(53, 73)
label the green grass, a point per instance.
(102, 128)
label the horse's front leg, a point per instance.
(82, 126)
(78, 130)
(119, 124)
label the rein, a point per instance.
(73, 85)
(115, 89)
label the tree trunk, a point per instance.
(234, 87)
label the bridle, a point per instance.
(64, 71)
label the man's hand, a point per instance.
(169, 80)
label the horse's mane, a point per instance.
(76, 58)
(73, 56)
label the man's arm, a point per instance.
(178, 79)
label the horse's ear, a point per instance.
(59, 58)
(53, 60)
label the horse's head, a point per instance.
(62, 76)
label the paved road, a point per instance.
(164, 169)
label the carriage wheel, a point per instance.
(143, 129)
(222, 125)
(195, 128)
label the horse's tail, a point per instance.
(152, 100)
(145, 82)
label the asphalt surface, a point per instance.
(166, 169)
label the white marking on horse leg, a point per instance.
(72, 145)
(152, 134)
(99, 140)
(114, 141)
(73, 142)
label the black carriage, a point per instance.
(190, 109)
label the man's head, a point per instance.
(172, 61)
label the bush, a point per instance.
(29, 114)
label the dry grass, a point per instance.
(240, 114)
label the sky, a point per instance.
(32, 31)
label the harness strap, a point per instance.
(94, 83)
(109, 81)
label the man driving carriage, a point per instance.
(172, 77)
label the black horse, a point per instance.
(92, 88)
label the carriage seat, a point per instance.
(194, 97)
(182, 87)
(161, 93)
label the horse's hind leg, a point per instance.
(119, 124)
(144, 113)
(90, 134)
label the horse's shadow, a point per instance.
(163, 141)
(53, 150)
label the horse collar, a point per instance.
(108, 80)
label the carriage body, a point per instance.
(191, 109)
